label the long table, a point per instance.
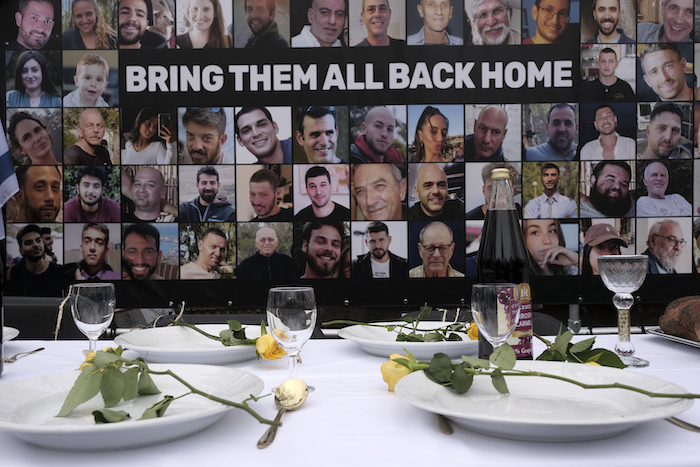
(351, 419)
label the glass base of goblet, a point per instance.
(634, 362)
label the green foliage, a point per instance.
(562, 350)
(234, 335)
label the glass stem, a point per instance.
(623, 302)
(93, 345)
(293, 365)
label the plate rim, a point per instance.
(223, 349)
(116, 428)
(9, 328)
(343, 333)
(631, 419)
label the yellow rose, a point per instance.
(473, 331)
(88, 360)
(592, 363)
(392, 372)
(267, 347)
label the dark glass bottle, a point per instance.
(503, 257)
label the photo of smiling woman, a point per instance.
(203, 26)
(87, 28)
(29, 140)
(546, 244)
(33, 86)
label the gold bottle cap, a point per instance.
(500, 174)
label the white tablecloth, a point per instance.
(351, 419)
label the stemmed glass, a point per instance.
(92, 307)
(496, 309)
(624, 274)
(291, 317)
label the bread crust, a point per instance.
(682, 318)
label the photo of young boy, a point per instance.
(91, 80)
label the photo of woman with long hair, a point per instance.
(546, 245)
(204, 26)
(87, 28)
(148, 144)
(33, 86)
(430, 140)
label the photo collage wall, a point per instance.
(127, 182)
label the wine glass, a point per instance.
(291, 317)
(624, 274)
(496, 309)
(92, 306)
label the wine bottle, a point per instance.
(503, 257)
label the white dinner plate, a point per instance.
(544, 409)
(28, 409)
(177, 344)
(9, 333)
(681, 340)
(382, 342)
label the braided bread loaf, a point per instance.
(682, 318)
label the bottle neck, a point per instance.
(501, 195)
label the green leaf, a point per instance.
(131, 383)
(234, 325)
(548, 356)
(424, 311)
(461, 380)
(582, 345)
(146, 385)
(440, 368)
(432, 337)
(476, 362)
(102, 359)
(454, 337)
(85, 388)
(561, 343)
(158, 409)
(112, 386)
(603, 357)
(503, 357)
(499, 382)
(110, 416)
